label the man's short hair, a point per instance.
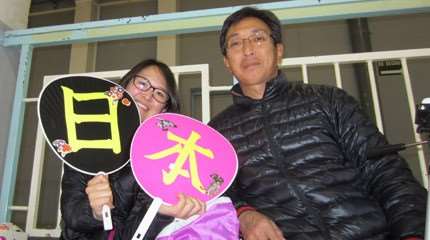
(264, 15)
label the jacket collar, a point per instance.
(273, 88)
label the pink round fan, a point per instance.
(172, 154)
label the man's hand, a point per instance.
(99, 194)
(184, 208)
(256, 226)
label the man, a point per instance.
(302, 149)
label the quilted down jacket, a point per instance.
(302, 162)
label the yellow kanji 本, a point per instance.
(186, 149)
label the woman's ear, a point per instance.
(164, 110)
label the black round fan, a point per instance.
(89, 122)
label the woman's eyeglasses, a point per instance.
(143, 84)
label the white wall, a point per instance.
(13, 15)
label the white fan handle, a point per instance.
(147, 219)
(107, 218)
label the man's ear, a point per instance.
(226, 63)
(279, 52)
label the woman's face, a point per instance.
(145, 101)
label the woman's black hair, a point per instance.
(173, 104)
(264, 15)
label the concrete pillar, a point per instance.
(167, 47)
(14, 14)
(82, 55)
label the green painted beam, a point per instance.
(348, 10)
(289, 12)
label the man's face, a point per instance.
(251, 55)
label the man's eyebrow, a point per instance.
(257, 30)
(254, 30)
(232, 35)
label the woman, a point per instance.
(153, 87)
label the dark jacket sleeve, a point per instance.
(78, 221)
(233, 193)
(388, 179)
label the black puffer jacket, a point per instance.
(302, 156)
(130, 202)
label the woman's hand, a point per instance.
(99, 194)
(184, 208)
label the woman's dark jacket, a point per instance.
(130, 204)
(302, 157)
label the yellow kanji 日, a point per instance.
(73, 118)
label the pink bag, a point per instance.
(218, 222)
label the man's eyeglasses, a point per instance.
(257, 38)
(143, 84)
